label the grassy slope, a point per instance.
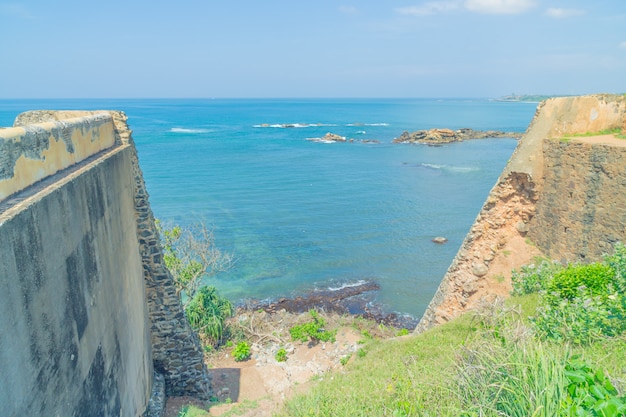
(419, 375)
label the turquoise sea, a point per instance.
(300, 215)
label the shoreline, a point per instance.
(354, 300)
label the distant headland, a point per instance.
(531, 98)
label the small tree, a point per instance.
(190, 255)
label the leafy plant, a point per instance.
(589, 392)
(281, 355)
(534, 277)
(344, 360)
(402, 332)
(582, 303)
(207, 313)
(312, 330)
(577, 280)
(241, 352)
(582, 319)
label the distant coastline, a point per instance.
(531, 98)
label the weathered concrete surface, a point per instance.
(559, 198)
(75, 332)
(87, 309)
(32, 152)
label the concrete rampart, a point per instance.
(87, 310)
(32, 152)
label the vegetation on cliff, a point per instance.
(557, 349)
(190, 255)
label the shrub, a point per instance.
(580, 320)
(344, 360)
(241, 352)
(617, 261)
(402, 332)
(312, 330)
(534, 277)
(582, 303)
(281, 355)
(207, 313)
(579, 280)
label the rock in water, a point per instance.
(439, 240)
(441, 136)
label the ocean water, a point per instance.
(299, 215)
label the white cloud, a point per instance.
(499, 6)
(429, 8)
(562, 13)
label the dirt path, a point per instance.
(259, 386)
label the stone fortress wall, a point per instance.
(564, 198)
(90, 319)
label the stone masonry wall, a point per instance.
(582, 210)
(559, 198)
(176, 348)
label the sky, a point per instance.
(322, 48)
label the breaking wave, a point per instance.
(183, 130)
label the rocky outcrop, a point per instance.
(441, 136)
(332, 138)
(563, 198)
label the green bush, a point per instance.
(581, 320)
(617, 261)
(534, 277)
(579, 303)
(312, 330)
(241, 352)
(578, 280)
(281, 355)
(207, 313)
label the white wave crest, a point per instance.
(347, 285)
(320, 140)
(432, 166)
(450, 168)
(183, 130)
(367, 124)
(292, 125)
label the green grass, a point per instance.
(395, 377)
(192, 411)
(477, 365)
(615, 131)
(500, 361)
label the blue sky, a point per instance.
(323, 48)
